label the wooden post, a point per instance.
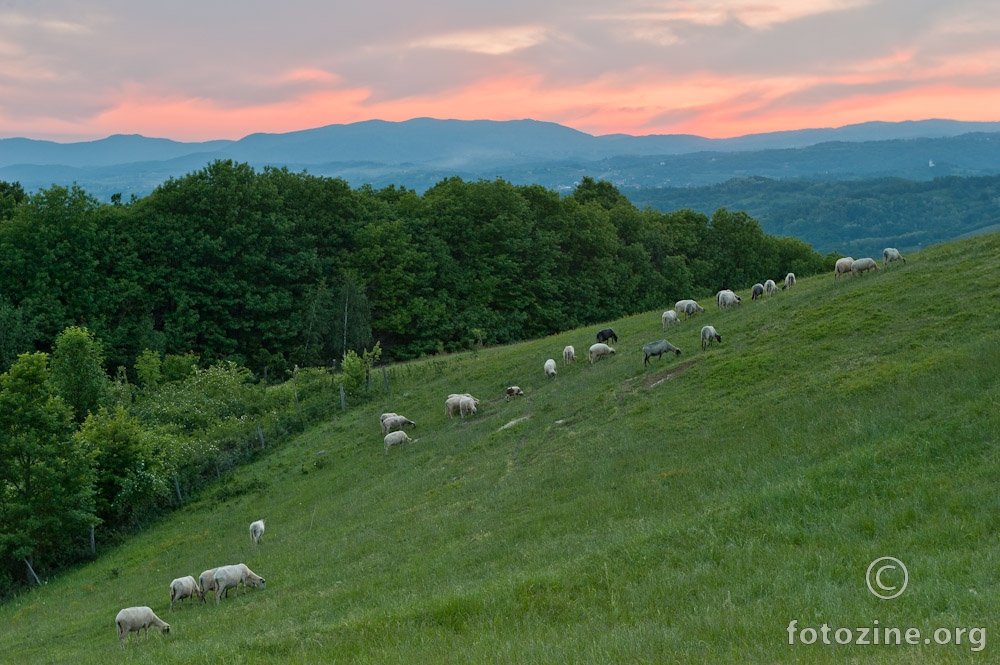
(32, 571)
(343, 402)
(385, 379)
(177, 486)
(93, 542)
(260, 433)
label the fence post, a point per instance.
(177, 486)
(343, 402)
(385, 379)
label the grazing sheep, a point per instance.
(726, 299)
(134, 619)
(207, 581)
(861, 266)
(770, 288)
(708, 336)
(598, 351)
(513, 391)
(231, 577)
(256, 531)
(890, 254)
(385, 416)
(397, 438)
(396, 422)
(670, 318)
(789, 281)
(550, 367)
(569, 355)
(606, 334)
(842, 267)
(657, 349)
(467, 405)
(184, 587)
(687, 307)
(756, 291)
(452, 404)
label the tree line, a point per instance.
(272, 269)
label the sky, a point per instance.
(194, 70)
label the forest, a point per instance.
(147, 346)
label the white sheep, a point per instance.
(770, 288)
(842, 267)
(550, 367)
(134, 619)
(861, 266)
(687, 307)
(789, 281)
(726, 299)
(385, 416)
(708, 336)
(207, 581)
(395, 422)
(452, 404)
(569, 355)
(513, 391)
(467, 405)
(231, 577)
(397, 438)
(599, 350)
(256, 531)
(890, 254)
(184, 587)
(670, 318)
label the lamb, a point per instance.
(789, 281)
(770, 288)
(688, 307)
(184, 587)
(134, 619)
(756, 291)
(396, 422)
(467, 405)
(598, 351)
(606, 334)
(670, 318)
(569, 355)
(207, 581)
(451, 405)
(513, 391)
(550, 367)
(890, 254)
(231, 577)
(726, 299)
(708, 336)
(397, 438)
(861, 266)
(657, 349)
(256, 531)
(842, 267)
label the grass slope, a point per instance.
(684, 512)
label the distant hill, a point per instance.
(420, 152)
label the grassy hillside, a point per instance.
(684, 512)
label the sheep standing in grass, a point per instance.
(598, 351)
(396, 422)
(687, 308)
(658, 349)
(890, 254)
(207, 581)
(467, 405)
(231, 577)
(134, 619)
(606, 334)
(569, 355)
(513, 391)
(550, 367)
(861, 266)
(726, 299)
(789, 281)
(842, 267)
(256, 532)
(184, 587)
(708, 336)
(397, 438)
(670, 318)
(385, 416)
(452, 405)
(770, 288)
(756, 291)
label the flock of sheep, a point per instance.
(220, 580)
(850, 266)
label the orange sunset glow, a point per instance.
(713, 68)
